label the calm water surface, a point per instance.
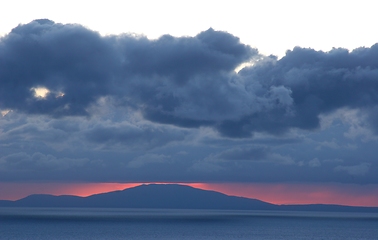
(49, 223)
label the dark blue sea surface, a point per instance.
(63, 223)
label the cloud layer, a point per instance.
(128, 108)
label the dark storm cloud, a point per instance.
(183, 81)
(129, 109)
(67, 59)
(273, 95)
(79, 66)
(182, 58)
(320, 82)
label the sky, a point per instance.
(275, 100)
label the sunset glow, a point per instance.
(341, 194)
(14, 191)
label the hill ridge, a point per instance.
(169, 196)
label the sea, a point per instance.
(94, 223)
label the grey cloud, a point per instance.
(36, 162)
(128, 136)
(330, 144)
(123, 147)
(81, 64)
(121, 158)
(149, 159)
(372, 118)
(62, 58)
(314, 163)
(206, 167)
(99, 132)
(183, 81)
(249, 153)
(182, 58)
(36, 131)
(355, 170)
(65, 126)
(321, 82)
(188, 82)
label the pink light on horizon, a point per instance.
(343, 194)
(15, 191)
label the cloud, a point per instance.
(357, 120)
(183, 81)
(355, 170)
(314, 163)
(128, 136)
(72, 62)
(251, 153)
(148, 159)
(37, 162)
(182, 58)
(63, 70)
(75, 105)
(328, 144)
(76, 66)
(320, 83)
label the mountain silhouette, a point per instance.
(168, 196)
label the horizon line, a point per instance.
(250, 191)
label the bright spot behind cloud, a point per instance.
(4, 112)
(40, 92)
